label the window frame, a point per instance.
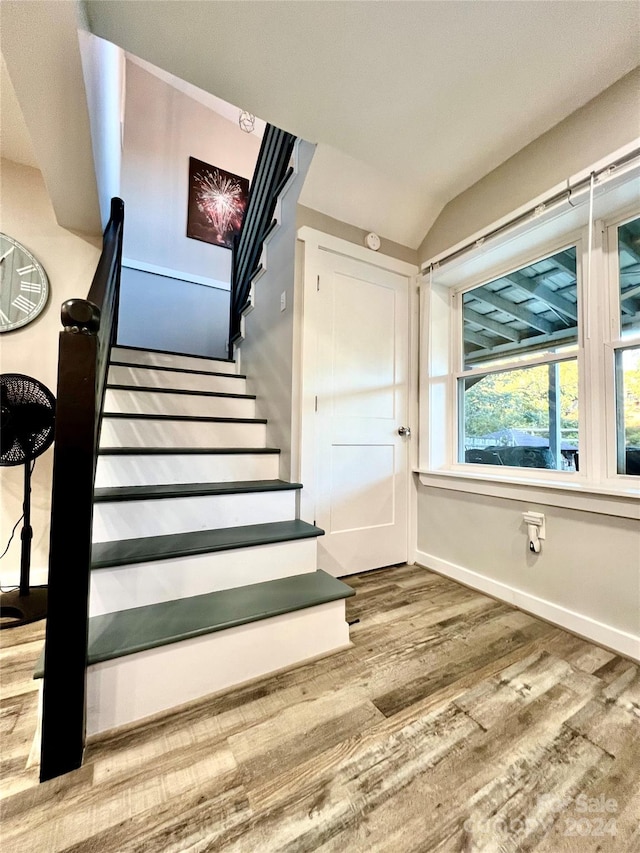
(544, 357)
(598, 341)
(613, 341)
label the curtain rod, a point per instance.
(556, 198)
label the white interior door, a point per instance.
(362, 390)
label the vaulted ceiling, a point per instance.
(411, 102)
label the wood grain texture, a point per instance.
(454, 723)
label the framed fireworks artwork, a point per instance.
(217, 203)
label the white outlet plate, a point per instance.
(538, 520)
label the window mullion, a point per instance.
(593, 299)
(550, 358)
(456, 410)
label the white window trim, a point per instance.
(613, 340)
(589, 498)
(597, 487)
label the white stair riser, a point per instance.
(120, 432)
(149, 403)
(137, 519)
(136, 686)
(162, 359)
(185, 468)
(139, 584)
(149, 378)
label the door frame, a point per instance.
(312, 246)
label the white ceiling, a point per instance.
(47, 108)
(217, 105)
(430, 96)
(15, 142)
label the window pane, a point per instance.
(527, 418)
(628, 410)
(629, 263)
(528, 311)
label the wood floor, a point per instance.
(455, 723)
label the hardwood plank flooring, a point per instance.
(454, 723)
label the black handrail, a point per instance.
(270, 175)
(89, 332)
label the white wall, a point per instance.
(586, 577)
(270, 352)
(348, 189)
(41, 50)
(70, 262)
(337, 228)
(163, 313)
(103, 67)
(163, 128)
(605, 124)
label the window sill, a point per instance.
(602, 499)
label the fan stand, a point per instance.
(27, 603)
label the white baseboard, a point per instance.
(597, 632)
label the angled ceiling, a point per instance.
(39, 42)
(15, 142)
(208, 100)
(427, 97)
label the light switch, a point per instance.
(283, 300)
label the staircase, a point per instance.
(202, 574)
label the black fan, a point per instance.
(26, 430)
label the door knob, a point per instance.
(405, 431)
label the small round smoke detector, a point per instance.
(372, 241)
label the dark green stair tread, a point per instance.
(145, 416)
(173, 352)
(122, 552)
(171, 451)
(118, 386)
(179, 490)
(177, 369)
(113, 635)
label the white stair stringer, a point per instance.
(146, 432)
(137, 401)
(129, 688)
(139, 584)
(134, 519)
(149, 470)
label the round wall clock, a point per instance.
(24, 287)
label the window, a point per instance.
(628, 410)
(530, 351)
(627, 357)
(512, 414)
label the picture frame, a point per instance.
(217, 203)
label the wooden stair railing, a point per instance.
(271, 173)
(85, 343)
